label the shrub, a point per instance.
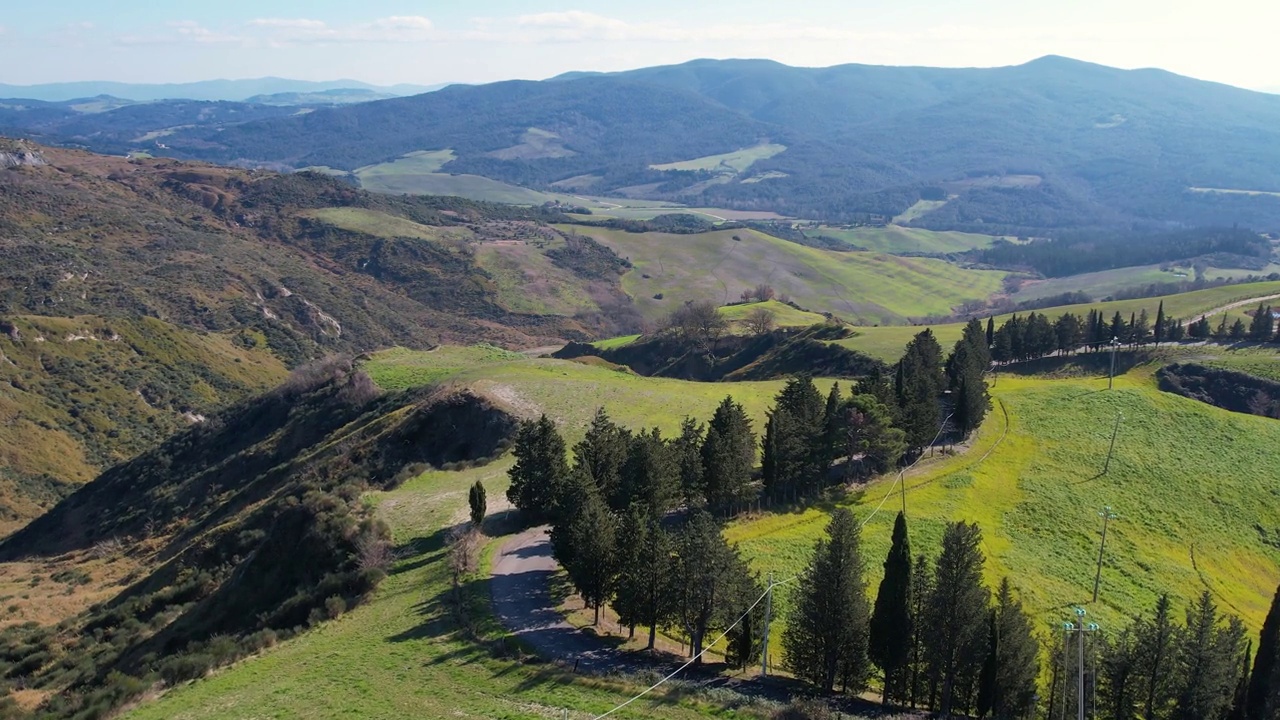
(334, 606)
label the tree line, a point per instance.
(1035, 335)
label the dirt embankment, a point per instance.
(1227, 389)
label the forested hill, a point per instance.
(1030, 149)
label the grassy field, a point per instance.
(898, 239)
(617, 342)
(1193, 486)
(886, 343)
(1107, 282)
(401, 655)
(528, 282)
(380, 224)
(867, 288)
(921, 208)
(733, 162)
(783, 315)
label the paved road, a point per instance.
(522, 575)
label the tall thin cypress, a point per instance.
(1264, 684)
(892, 623)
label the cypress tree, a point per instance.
(976, 339)
(988, 692)
(744, 642)
(592, 562)
(709, 582)
(539, 471)
(956, 616)
(476, 499)
(728, 455)
(991, 331)
(921, 594)
(869, 431)
(1015, 655)
(826, 636)
(832, 428)
(1240, 699)
(601, 454)
(1264, 683)
(1160, 321)
(1238, 330)
(892, 624)
(644, 572)
(1261, 325)
(1119, 676)
(1208, 662)
(687, 451)
(649, 474)
(1119, 331)
(1157, 646)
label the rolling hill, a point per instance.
(1051, 144)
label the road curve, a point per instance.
(522, 572)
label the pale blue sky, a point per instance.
(428, 41)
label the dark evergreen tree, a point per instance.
(601, 454)
(1119, 676)
(744, 643)
(1157, 641)
(1199, 329)
(832, 428)
(1141, 333)
(956, 617)
(728, 456)
(592, 561)
(1069, 331)
(687, 452)
(479, 505)
(710, 583)
(976, 339)
(972, 401)
(921, 596)
(539, 471)
(1015, 658)
(1208, 662)
(869, 432)
(1238, 330)
(876, 385)
(920, 382)
(1262, 324)
(892, 624)
(1119, 329)
(1160, 330)
(1264, 682)
(784, 450)
(650, 474)
(991, 331)
(1240, 698)
(1223, 330)
(644, 572)
(825, 641)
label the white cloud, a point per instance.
(281, 32)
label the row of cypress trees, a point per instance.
(935, 633)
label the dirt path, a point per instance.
(522, 573)
(1239, 303)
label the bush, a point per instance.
(334, 606)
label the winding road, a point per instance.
(522, 573)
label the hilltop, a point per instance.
(1031, 149)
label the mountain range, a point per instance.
(204, 90)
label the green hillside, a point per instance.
(886, 343)
(866, 288)
(899, 239)
(1189, 481)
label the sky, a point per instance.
(430, 41)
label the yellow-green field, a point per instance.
(1107, 282)
(733, 162)
(1187, 479)
(380, 224)
(919, 209)
(867, 288)
(898, 239)
(783, 315)
(887, 343)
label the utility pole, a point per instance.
(1107, 517)
(1078, 626)
(764, 648)
(1115, 343)
(1111, 449)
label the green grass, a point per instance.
(1185, 475)
(783, 315)
(614, 343)
(1108, 282)
(418, 162)
(569, 392)
(867, 288)
(732, 162)
(898, 239)
(380, 224)
(920, 209)
(400, 655)
(886, 343)
(528, 282)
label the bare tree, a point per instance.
(760, 320)
(699, 322)
(763, 292)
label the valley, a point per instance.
(700, 361)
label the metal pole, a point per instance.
(1112, 447)
(1080, 710)
(1107, 517)
(764, 649)
(1115, 342)
(1066, 670)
